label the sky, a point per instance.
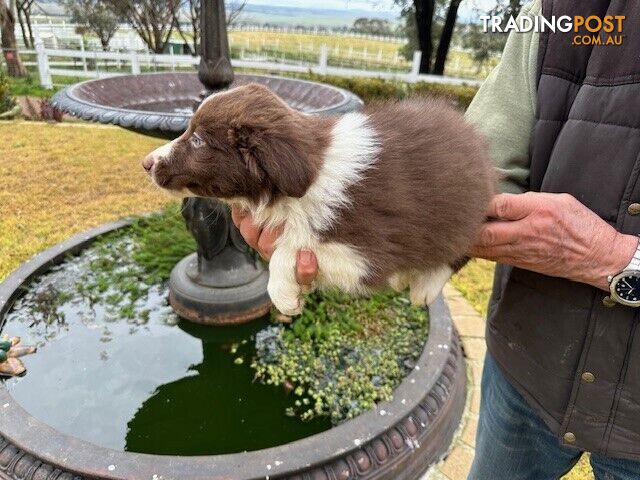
(331, 4)
(466, 11)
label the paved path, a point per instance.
(470, 325)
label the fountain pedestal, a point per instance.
(224, 282)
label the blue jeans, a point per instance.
(514, 443)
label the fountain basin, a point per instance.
(397, 440)
(163, 103)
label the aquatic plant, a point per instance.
(342, 355)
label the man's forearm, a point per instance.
(554, 234)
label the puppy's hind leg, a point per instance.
(426, 286)
(400, 280)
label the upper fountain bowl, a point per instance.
(163, 103)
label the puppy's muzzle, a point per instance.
(149, 161)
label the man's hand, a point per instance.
(553, 234)
(263, 241)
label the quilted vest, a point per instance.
(576, 360)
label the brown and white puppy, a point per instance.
(389, 196)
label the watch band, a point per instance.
(634, 264)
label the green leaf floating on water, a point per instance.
(5, 345)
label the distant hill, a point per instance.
(286, 15)
(273, 14)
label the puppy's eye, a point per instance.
(196, 141)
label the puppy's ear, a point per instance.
(240, 138)
(274, 159)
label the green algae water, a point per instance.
(149, 382)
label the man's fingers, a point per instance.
(237, 215)
(509, 206)
(499, 233)
(250, 232)
(306, 267)
(267, 240)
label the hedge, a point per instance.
(376, 88)
(6, 102)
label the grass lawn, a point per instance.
(59, 180)
(62, 179)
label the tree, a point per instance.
(234, 10)
(23, 9)
(192, 8)
(429, 26)
(15, 67)
(418, 15)
(506, 9)
(445, 37)
(484, 45)
(95, 16)
(424, 10)
(487, 44)
(372, 26)
(153, 20)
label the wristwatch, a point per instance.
(625, 286)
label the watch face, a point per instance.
(628, 288)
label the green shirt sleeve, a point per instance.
(504, 107)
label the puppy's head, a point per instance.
(241, 143)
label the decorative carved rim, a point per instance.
(69, 101)
(396, 441)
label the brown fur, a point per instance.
(422, 205)
(255, 147)
(418, 208)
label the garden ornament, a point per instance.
(10, 350)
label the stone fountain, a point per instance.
(90, 369)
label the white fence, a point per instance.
(62, 27)
(50, 61)
(60, 52)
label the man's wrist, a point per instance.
(615, 259)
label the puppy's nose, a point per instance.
(148, 162)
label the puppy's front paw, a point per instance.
(288, 301)
(288, 307)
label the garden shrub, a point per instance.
(367, 89)
(370, 89)
(460, 95)
(6, 101)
